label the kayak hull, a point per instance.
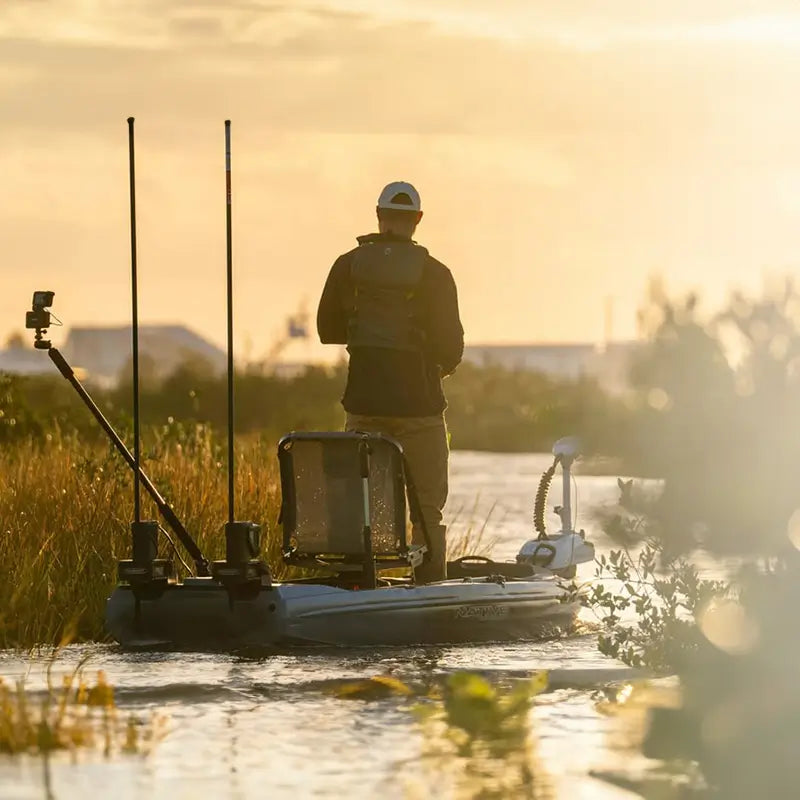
(201, 615)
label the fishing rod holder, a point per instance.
(242, 568)
(145, 568)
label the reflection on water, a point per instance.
(268, 727)
(479, 741)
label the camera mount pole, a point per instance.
(137, 511)
(170, 517)
(141, 569)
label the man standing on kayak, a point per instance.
(396, 309)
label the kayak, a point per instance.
(350, 603)
(199, 613)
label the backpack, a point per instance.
(386, 276)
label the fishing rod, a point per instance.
(229, 264)
(144, 566)
(242, 567)
(137, 511)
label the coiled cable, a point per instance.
(540, 503)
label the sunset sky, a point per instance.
(565, 152)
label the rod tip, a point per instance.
(130, 120)
(227, 123)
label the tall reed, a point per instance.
(65, 509)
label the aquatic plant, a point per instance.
(477, 737)
(467, 533)
(665, 595)
(478, 740)
(74, 715)
(372, 688)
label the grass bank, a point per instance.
(65, 510)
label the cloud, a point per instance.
(557, 165)
(284, 70)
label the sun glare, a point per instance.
(757, 29)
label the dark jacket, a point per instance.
(396, 383)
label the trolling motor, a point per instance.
(243, 572)
(561, 552)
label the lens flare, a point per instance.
(793, 528)
(658, 399)
(726, 624)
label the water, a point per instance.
(272, 728)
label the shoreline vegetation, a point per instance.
(65, 511)
(489, 408)
(75, 715)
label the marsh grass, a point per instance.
(65, 510)
(75, 715)
(472, 539)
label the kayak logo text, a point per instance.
(481, 612)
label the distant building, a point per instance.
(571, 361)
(103, 353)
(24, 361)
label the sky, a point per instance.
(566, 151)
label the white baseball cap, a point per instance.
(400, 196)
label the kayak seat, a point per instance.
(343, 501)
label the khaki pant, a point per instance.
(424, 442)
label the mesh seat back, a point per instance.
(323, 508)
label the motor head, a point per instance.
(39, 318)
(569, 447)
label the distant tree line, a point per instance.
(490, 408)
